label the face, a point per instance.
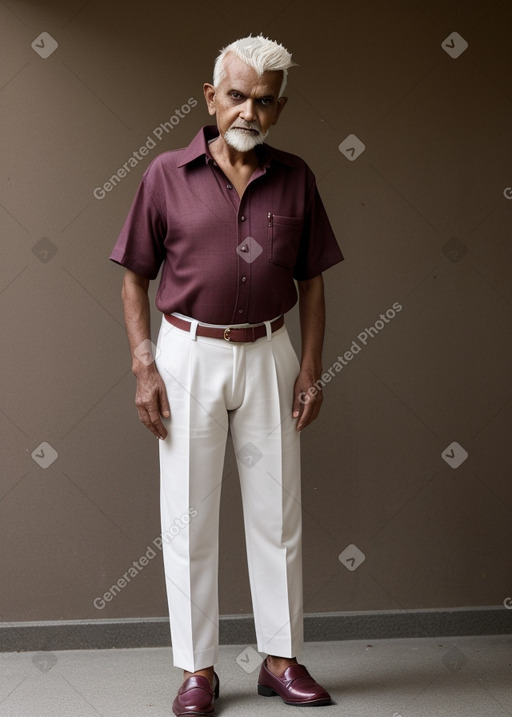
(245, 104)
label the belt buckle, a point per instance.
(227, 331)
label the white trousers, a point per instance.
(246, 388)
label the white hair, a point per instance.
(260, 53)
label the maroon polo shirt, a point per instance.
(226, 260)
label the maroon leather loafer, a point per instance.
(295, 686)
(196, 696)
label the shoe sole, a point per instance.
(269, 692)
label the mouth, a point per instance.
(247, 129)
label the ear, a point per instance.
(280, 106)
(209, 95)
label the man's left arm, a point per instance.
(307, 402)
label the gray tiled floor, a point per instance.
(387, 678)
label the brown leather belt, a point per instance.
(237, 335)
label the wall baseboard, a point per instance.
(239, 629)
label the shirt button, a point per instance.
(242, 218)
(229, 186)
(244, 278)
(240, 311)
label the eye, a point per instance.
(266, 101)
(235, 95)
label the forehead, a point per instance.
(243, 77)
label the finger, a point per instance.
(299, 399)
(309, 413)
(158, 427)
(146, 420)
(296, 409)
(165, 408)
(304, 418)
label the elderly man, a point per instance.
(233, 223)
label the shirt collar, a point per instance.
(199, 148)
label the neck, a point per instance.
(224, 152)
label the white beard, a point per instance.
(243, 141)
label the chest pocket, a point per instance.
(284, 235)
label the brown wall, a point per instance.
(423, 218)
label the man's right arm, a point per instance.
(151, 396)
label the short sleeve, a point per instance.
(319, 249)
(140, 246)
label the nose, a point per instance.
(247, 111)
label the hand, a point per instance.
(307, 399)
(152, 402)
